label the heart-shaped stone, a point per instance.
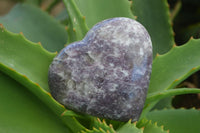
(107, 73)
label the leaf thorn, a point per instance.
(63, 113)
(111, 126)
(49, 94)
(21, 33)
(99, 120)
(174, 45)
(40, 43)
(1, 26)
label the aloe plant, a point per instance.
(29, 39)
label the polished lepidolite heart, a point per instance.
(107, 73)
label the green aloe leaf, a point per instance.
(177, 120)
(28, 63)
(150, 127)
(98, 10)
(22, 112)
(178, 64)
(129, 128)
(102, 126)
(24, 57)
(36, 25)
(84, 14)
(77, 27)
(154, 15)
(167, 93)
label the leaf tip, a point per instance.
(104, 122)
(49, 94)
(40, 43)
(194, 68)
(174, 45)
(157, 54)
(84, 18)
(63, 113)
(62, 106)
(66, 28)
(21, 33)
(101, 129)
(1, 26)
(25, 76)
(111, 126)
(135, 123)
(135, 17)
(176, 80)
(12, 69)
(37, 84)
(74, 29)
(94, 128)
(99, 120)
(108, 131)
(142, 128)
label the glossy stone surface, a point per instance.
(107, 73)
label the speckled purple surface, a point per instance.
(107, 73)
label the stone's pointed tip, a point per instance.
(142, 128)
(191, 38)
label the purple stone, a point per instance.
(107, 73)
